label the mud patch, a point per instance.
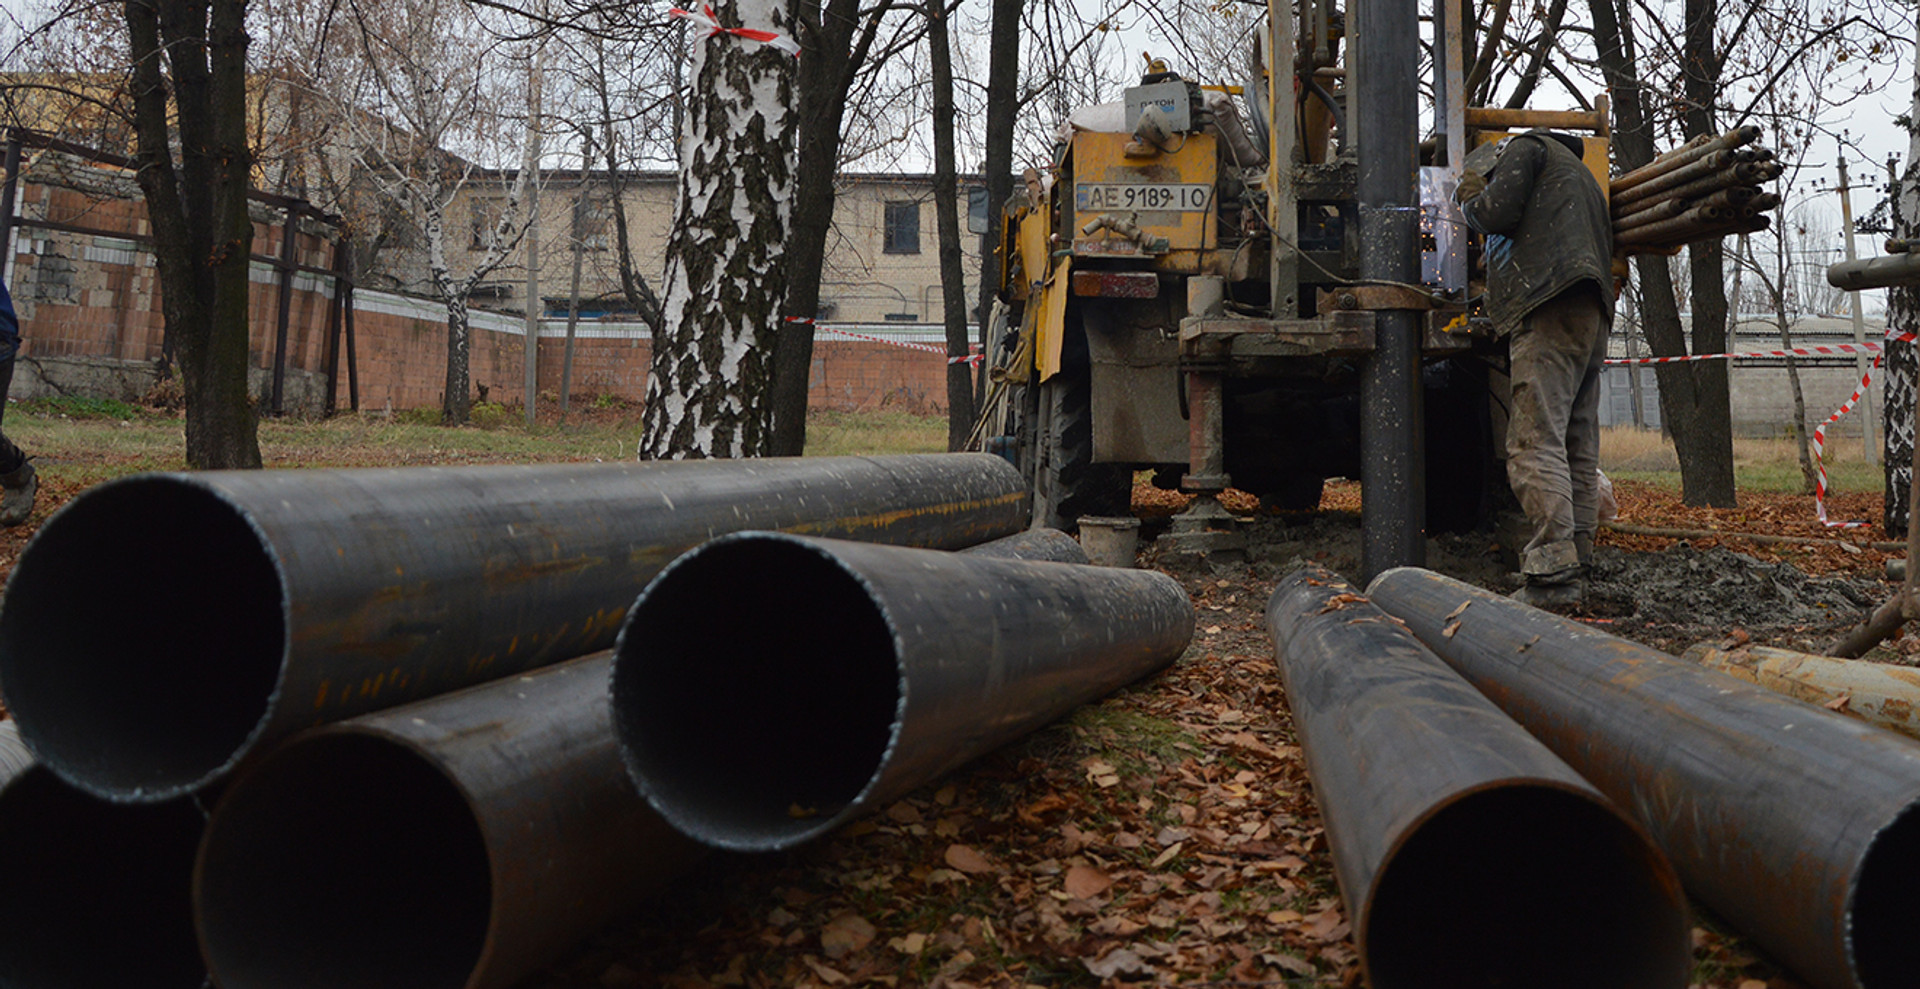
(1719, 587)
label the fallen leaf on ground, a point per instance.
(830, 976)
(967, 860)
(1084, 882)
(1120, 961)
(846, 934)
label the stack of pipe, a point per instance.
(1468, 854)
(1798, 825)
(1705, 189)
(468, 814)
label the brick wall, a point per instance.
(90, 317)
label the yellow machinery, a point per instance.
(1184, 292)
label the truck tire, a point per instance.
(1066, 483)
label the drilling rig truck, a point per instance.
(1187, 289)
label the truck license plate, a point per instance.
(1163, 197)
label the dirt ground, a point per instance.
(1168, 833)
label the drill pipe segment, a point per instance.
(863, 672)
(1712, 163)
(458, 843)
(1798, 825)
(1687, 153)
(97, 894)
(1468, 854)
(273, 601)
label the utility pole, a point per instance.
(532, 164)
(1868, 414)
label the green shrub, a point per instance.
(488, 415)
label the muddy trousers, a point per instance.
(10, 456)
(1553, 430)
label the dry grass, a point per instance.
(1771, 464)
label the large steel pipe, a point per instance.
(1800, 826)
(1467, 853)
(768, 687)
(270, 601)
(92, 893)
(460, 842)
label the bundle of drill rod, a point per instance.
(1707, 188)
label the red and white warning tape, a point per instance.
(1827, 349)
(1820, 432)
(706, 19)
(1876, 348)
(974, 358)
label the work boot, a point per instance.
(1551, 597)
(1554, 591)
(17, 489)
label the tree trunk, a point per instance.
(726, 257)
(1703, 433)
(1693, 394)
(946, 203)
(837, 39)
(1903, 317)
(456, 404)
(203, 236)
(1003, 75)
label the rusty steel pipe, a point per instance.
(1877, 693)
(864, 672)
(1467, 853)
(460, 842)
(271, 601)
(94, 894)
(1798, 825)
(1712, 163)
(1662, 210)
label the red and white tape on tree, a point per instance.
(705, 19)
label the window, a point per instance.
(485, 218)
(977, 210)
(903, 228)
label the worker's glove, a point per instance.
(1472, 184)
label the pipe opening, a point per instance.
(142, 638)
(96, 894)
(346, 860)
(1507, 883)
(755, 689)
(1880, 934)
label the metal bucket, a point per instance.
(1110, 542)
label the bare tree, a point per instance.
(429, 84)
(189, 89)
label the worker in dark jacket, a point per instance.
(17, 483)
(1549, 252)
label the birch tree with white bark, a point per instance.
(726, 273)
(423, 111)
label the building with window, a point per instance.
(882, 264)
